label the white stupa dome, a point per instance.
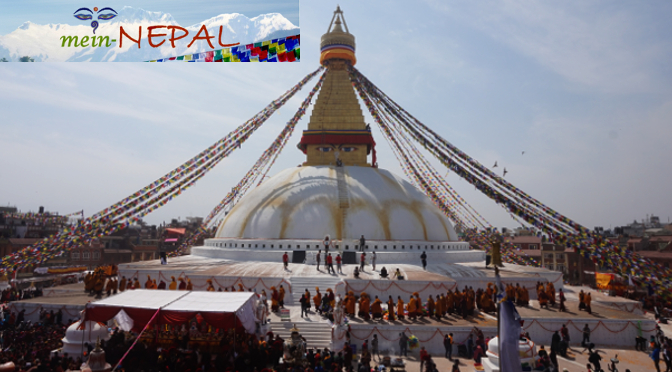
(312, 202)
(75, 338)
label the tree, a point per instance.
(26, 59)
(4, 59)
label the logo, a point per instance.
(82, 16)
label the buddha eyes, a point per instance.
(348, 149)
(325, 149)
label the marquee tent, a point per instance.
(219, 309)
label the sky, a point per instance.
(583, 88)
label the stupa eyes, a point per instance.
(348, 149)
(325, 149)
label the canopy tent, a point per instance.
(219, 309)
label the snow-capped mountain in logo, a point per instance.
(43, 42)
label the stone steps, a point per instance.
(317, 334)
(299, 285)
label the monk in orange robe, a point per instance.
(412, 308)
(400, 308)
(550, 292)
(430, 306)
(450, 302)
(317, 299)
(439, 306)
(377, 309)
(350, 303)
(390, 309)
(364, 306)
(148, 283)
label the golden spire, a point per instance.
(337, 133)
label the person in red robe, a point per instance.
(275, 300)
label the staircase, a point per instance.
(343, 197)
(299, 285)
(317, 334)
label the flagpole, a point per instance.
(499, 328)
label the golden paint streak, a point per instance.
(262, 204)
(442, 219)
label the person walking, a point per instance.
(374, 347)
(655, 355)
(330, 265)
(338, 263)
(588, 299)
(305, 303)
(373, 261)
(362, 243)
(403, 344)
(586, 336)
(362, 261)
(448, 345)
(595, 359)
(562, 301)
(423, 257)
(327, 243)
(285, 260)
(281, 297)
(319, 252)
(423, 358)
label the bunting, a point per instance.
(146, 200)
(285, 49)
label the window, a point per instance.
(517, 246)
(561, 268)
(96, 255)
(75, 255)
(533, 246)
(548, 256)
(85, 255)
(560, 256)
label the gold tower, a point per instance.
(337, 133)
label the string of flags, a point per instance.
(559, 228)
(285, 49)
(260, 168)
(146, 200)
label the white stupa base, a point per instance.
(489, 366)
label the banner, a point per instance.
(286, 49)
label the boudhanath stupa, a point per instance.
(341, 191)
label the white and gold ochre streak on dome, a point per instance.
(303, 203)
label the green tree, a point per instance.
(4, 59)
(26, 59)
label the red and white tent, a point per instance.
(219, 309)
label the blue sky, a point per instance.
(583, 88)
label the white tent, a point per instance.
(219, 309)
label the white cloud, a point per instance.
(596, 45)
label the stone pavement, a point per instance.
(636, 361)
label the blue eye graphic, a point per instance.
(102, 17)
(106, 17)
